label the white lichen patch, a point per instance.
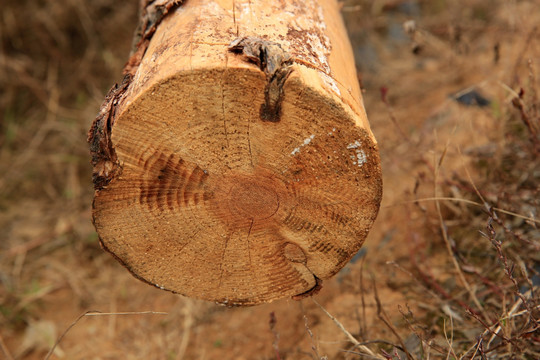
(360, 157)
(306, 142)
(354, 145)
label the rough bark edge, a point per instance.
(275, 63)
(104, 160)
(151, 14)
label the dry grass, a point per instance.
(451, 269)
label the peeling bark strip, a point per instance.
(151, 14)
(196, 195)
(275, 63)
(104, 158)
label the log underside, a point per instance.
(214, 203)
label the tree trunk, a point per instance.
(235, 163)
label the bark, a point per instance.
(235, 163)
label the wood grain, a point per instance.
(215, 199)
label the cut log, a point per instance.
(236, 163)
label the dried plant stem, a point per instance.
(496, 328)
(526, 42)
(491, 235)
(384, 318)
(470, 202)
(384, 99)
(363, 328)
(497, 245)
(275, 343)
(426, 345)
(14, 172)
(310, 333)
(97, 313)
(447, 241)
(414, 278)
(5, 350)
(187, 311)
(357, 344)
(450, 341)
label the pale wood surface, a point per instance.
(211, 200)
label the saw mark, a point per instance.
(249, 142)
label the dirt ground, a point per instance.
(450, 269)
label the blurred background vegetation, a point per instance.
(451, 90)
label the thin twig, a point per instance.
(450, 341)
(310, 333)
(429, 344)
(5, 350)
(522, 51)
(363, 329)
(384, 98)
(447, 240)
(97, 313)
(384, 318)
(275, 343)
(365, 349)
(491, 236)
(470, 202)
(433, 283)
(495, 328)
(188, 323)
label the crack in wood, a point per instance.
(275, 63)
(313, 291)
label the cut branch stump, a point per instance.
(235, 163)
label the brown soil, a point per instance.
(58, 59)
